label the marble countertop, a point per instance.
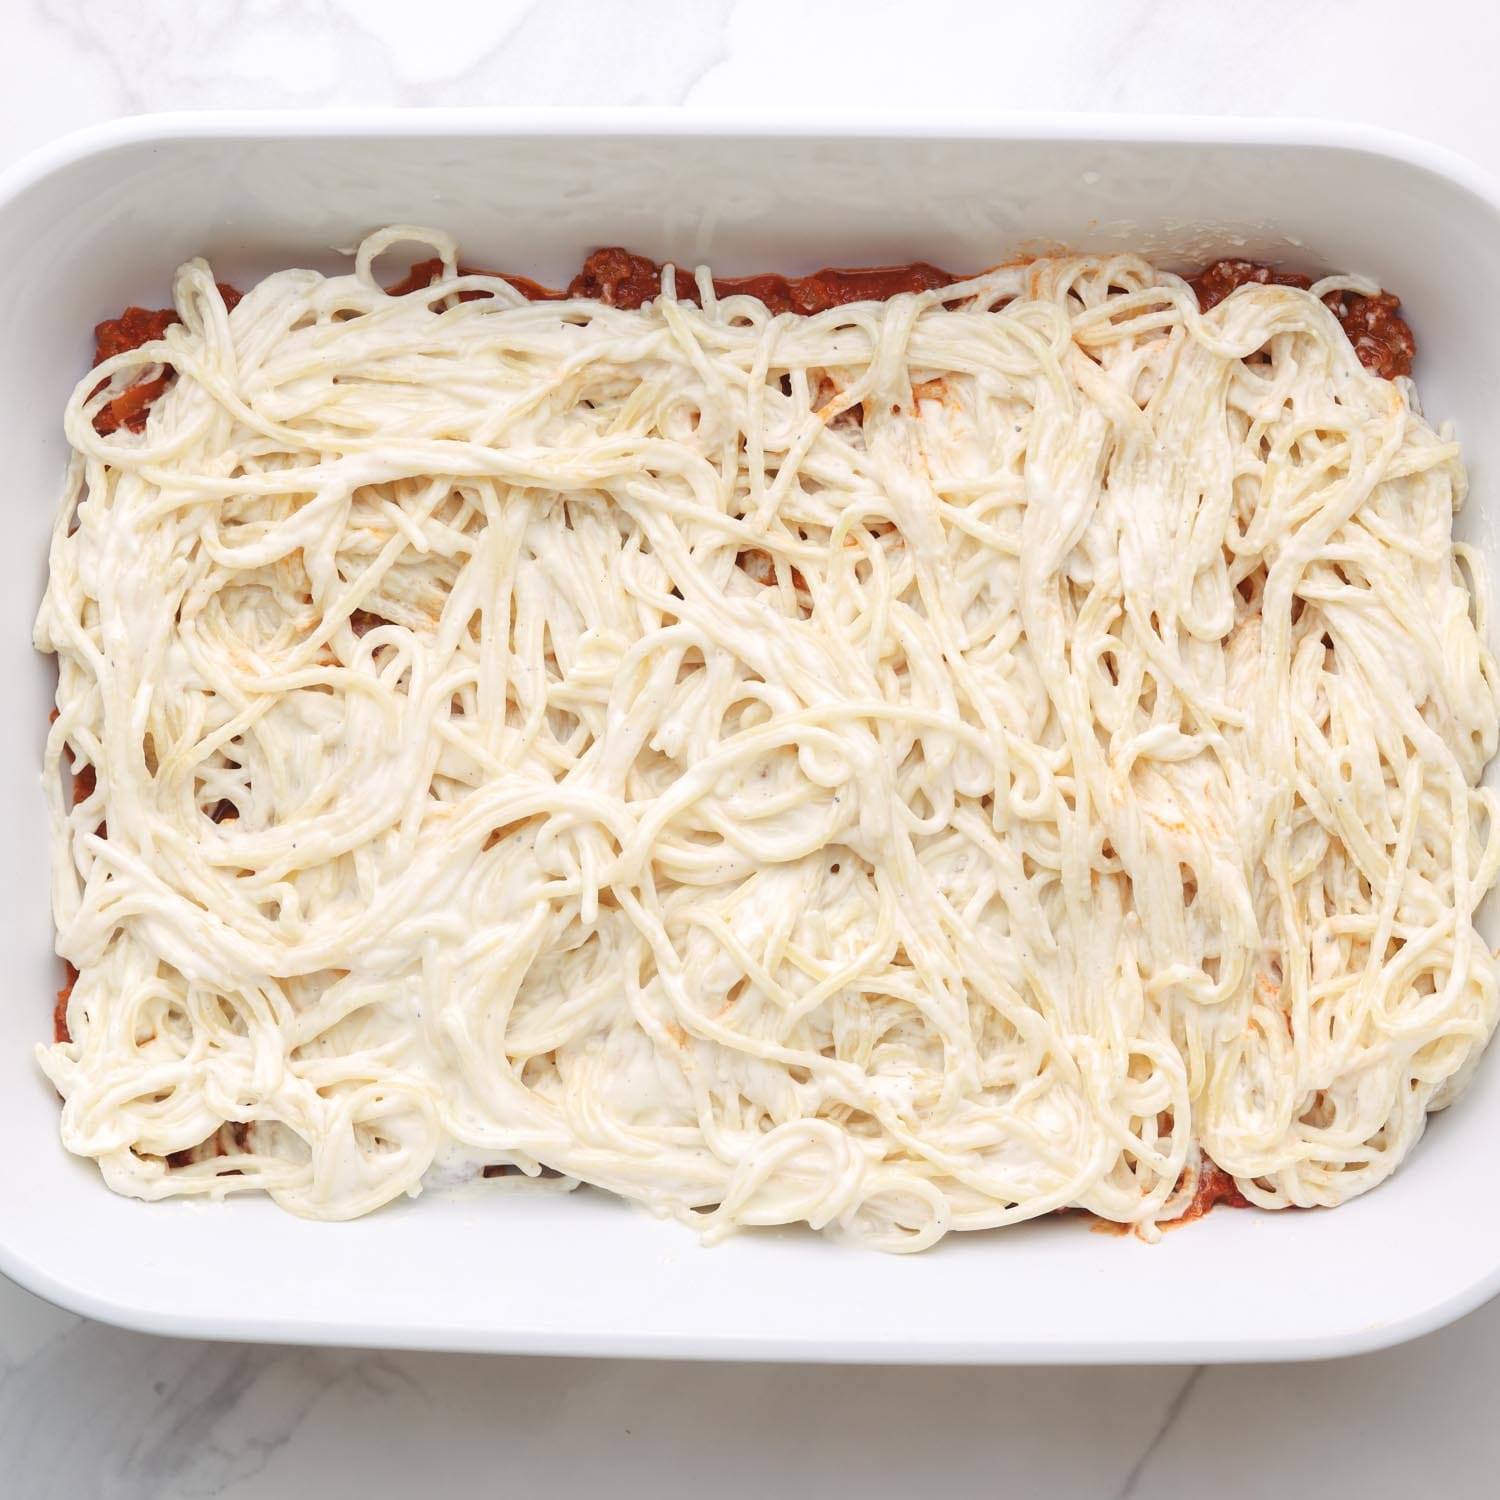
(87, 1410)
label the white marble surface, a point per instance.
(87, 1410)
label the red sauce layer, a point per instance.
(134, 327)
(1381, 338)
(621, 279)
(60, 1010)
(1215, 282)
(1214, 1186)
(618, 278)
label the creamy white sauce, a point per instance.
(907, 824)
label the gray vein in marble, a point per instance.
(220, 54)
(1169, 1420)
(573, 49)
(88, 43)
(143, 1413)
(291, 52)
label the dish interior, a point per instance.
(583, 1273)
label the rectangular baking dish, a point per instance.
(102, 219)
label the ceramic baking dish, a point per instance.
(102, 219)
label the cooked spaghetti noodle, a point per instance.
(908, 768)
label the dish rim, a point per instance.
(677, 120)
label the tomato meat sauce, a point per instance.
(619, 278)
(134, 327)
(1214, 1186)
(1380, 336)
(60, 1031)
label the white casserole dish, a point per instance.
(103, 218)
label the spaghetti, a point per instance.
(912, 767)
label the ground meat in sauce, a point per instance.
(425, 272)
(1380, 337)
(85, 780)
(362, 622)
(619, 278)
(1215, 282)
(1214, 1186)
(232, 1138)
(134, 327)
(60, 1031)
